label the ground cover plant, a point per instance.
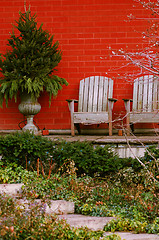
(121, 188)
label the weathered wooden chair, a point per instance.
(145, 102)
(95, 103)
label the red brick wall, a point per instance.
(86, 30)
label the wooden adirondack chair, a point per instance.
(145, 102)
(95, 103)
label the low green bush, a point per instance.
(97, 197)
(91, 160)
(88, 160)
(25, 149)
(12, 173)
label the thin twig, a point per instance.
(42, 169)
(50, 169)
(38, 167)
(138, 158)
(25, 5)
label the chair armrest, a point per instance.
(127, 104)
(111, 102)
(71, 103)
(126, 100)
(112, 99)
(72, 100)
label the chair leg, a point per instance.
(77, 125)
(132, 127)
(128, 125)
(110, 128)
(72, 128)
(72, 131)
(110, 121)
(110, 107)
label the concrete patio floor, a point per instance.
(101, 139)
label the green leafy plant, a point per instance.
(25, 148)
(28, 151)
(29, 64)
(12, 173)
(135, 208)
(124, 224)
(88, 160)
(136, 205)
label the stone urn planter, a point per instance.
(29, 107)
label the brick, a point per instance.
(85, 30)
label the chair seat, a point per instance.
(144, 117)
(90, 117)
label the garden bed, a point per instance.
(96, 180)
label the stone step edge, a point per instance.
(52, 207)
(134, 236)
(92, 222)
(49, 206)
(12, 189)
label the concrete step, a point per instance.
(98, 223)
(132, 236)
(11, 189)
(50, 207)
(93, 223)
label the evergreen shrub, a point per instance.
(24, 149)
(29, 63)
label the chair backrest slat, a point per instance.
(110, 90)
(155, 97)
(135, 95)
(94, 93)
(140, 94)
(85, 97)
(105, 93)
(146, 94)
(95, 96)
(100, 95)
(150, 93)
(90, 96)
(81, 94)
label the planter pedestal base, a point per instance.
(29, 108)
(30, 125)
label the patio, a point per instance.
(101, 139)
(125, 146)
